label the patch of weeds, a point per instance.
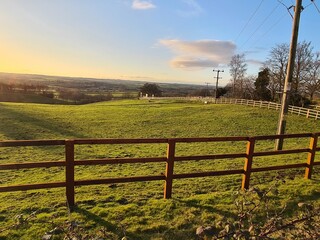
(260, 216)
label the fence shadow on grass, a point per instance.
(45, 125)
(89, 216)
(313, 196)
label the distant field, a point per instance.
(28, 98)
(138, 208)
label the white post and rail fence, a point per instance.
(307, 112)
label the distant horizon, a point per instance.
(101, 79)
(178, 41)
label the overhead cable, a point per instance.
(269, 30)
(288, 8)
(316, 6)
(273, 10)
(247, 23)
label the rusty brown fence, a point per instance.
(168, 176)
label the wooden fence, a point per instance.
(69, 162)
(307, 112)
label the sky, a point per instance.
(178, 41)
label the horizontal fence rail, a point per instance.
(168, 176)
(313, 112)
(307, 112)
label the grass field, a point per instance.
(137, 210)
(28, 98)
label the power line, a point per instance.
(288, 8)
(280, 2)
(279, 20)
(269, 30)
(217, 80)
(254, 13)
(307, 6)
(207, 90)
(302, 7)
(273, 10)
(316, 6)
(288, 80)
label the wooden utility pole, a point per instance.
(288, 80)
(207, 90)
(216, 92)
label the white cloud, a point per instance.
(199, 54)
(193, 8)
(191, 63)
(255, 62)
(142, 5)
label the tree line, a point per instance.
(269, 83)
(70, 95)
(20, 87)
(26, 88)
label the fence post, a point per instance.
(311, 155)
(69, 145)
(308, 113)
(248, 164)
(169, 169)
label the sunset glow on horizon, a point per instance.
(165, 41)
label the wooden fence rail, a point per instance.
(69, 163)
(307, 112)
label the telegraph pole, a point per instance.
(288, 80)
(217, 77)
(207, 91)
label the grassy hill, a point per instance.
(137, 210)
(95, 85)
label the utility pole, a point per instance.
(288, 79)
(207, 91)
(217, 77)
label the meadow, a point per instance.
(138, 210)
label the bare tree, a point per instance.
(238, 69)
(300, 82)
(303, 64)
(277, 65)
(312, 81)
(248, 87)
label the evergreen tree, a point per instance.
(261, 86)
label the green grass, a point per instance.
(28, 98)
(138, 208)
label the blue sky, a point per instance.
(149, 40)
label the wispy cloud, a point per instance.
(142, 5)
(255, 62)
(193, 8)
(191, 55)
